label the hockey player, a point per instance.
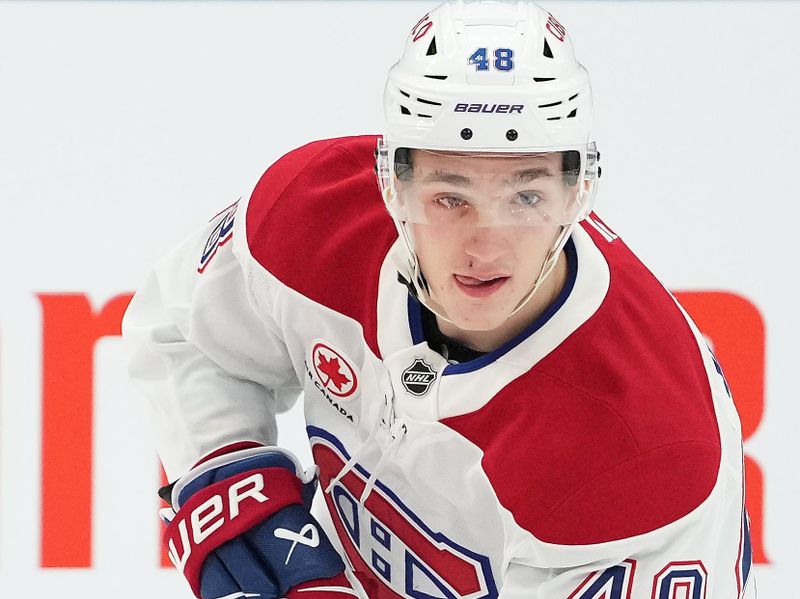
(501, 400)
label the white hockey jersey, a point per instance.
(596, 455)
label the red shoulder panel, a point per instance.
(316, 221)
(614, 433)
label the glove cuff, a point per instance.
(212, 469)
(218, 512)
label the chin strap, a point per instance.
(547, 266)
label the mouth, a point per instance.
(479, 287)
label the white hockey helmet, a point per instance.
(488, 77)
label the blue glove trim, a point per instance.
(237, 465)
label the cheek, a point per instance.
(532, 245)
(434, 245)
(534, 241)
(429, 254)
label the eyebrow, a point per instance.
(441, 176)
(530, 174)
(523, 176)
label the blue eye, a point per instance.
(529, 198)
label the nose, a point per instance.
(485, 245)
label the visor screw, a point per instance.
(466, 134)
(512, 135)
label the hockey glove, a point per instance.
(240, 527)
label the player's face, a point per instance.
(480, 244)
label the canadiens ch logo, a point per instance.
(418, 378)
(388, 543)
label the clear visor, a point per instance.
(535, 189)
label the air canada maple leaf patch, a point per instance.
(335, 372)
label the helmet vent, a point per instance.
(405, 94)
(543, 79)
(554, 118)
(432, 48)
(549, 105)
(573, 114)
(547, 51)
(571, 98)
(430, 102)
(424, 116)
(439, 77)
(404, 110)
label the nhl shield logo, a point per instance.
(418, 378)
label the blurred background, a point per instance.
(125, 125)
